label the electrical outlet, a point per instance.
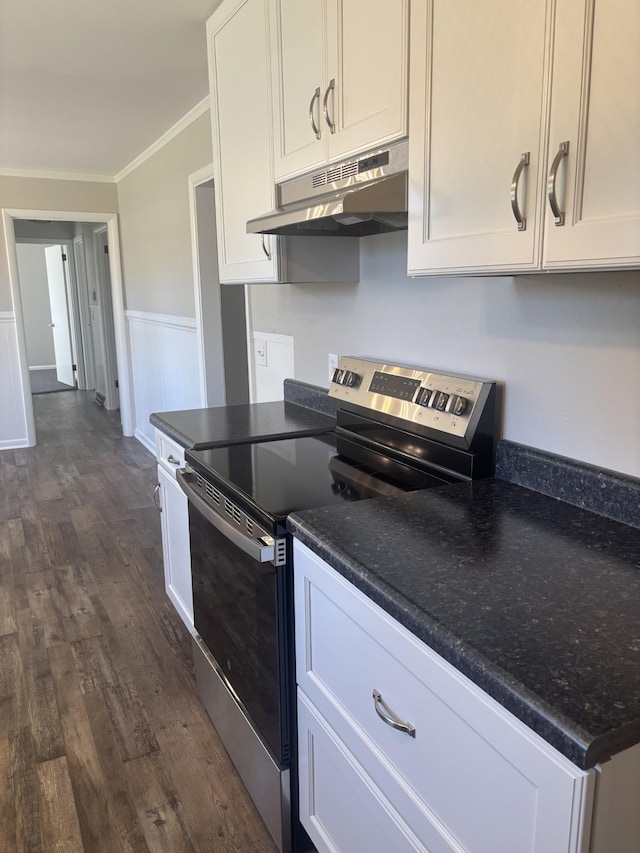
(333, 363)
(261, 353)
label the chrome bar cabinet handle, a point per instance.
(264, 248)
(156, 493)
(515, 181)
(387, 716)
(562, 151)
(325, 105)
(171, 459)
(312, 118)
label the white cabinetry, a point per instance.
(241, 125)
(339, 79)
(595, 107)
(240, 91)
(173, 505)
(471, 777)
(494, 92)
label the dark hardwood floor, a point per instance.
(104, 745)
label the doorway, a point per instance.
(50, 341)
(221, 319)
(86, 360)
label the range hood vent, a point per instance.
(354, 198)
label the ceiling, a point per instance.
(85, 87)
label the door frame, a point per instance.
(108, 331)
(117, 293)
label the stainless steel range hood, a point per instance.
(353, 198)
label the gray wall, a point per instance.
(566, 346)
(46, 194)
(155, 226)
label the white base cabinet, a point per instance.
(174, 509)
(469, 777)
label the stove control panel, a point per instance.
(445, 402)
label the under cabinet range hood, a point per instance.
(352, 198)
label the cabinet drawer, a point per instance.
(339, 807)
(472, 768)
(170, 454)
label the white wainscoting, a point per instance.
(13, 422)
(164, 368)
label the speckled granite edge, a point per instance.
(310, 396)
(598, 490)
(574, 743)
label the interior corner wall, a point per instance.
(155, 229)
(566, 346)
(155, 233)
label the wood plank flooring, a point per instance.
(104, 745)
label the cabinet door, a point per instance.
(595, 108)
(477, 106)
(176, 551)
(239, 77)
(298, 49)
(368, 60)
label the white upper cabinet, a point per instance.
(241, 124)
(595, 108)
(477, 82)
(339, 79)
(496, 89)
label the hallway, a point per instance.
(104, 745)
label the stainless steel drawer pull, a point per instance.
(325, 105)
(171, 459)
(312, 118)
(156, 494)
(562, 152)
(515, 181)
(264, 248)
(387, 716)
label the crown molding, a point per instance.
(199, 110)
(56, 176)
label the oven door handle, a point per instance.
(253, 548)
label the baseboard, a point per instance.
(42, 367)
(145, 441)
(17, 444)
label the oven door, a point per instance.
(241, 604)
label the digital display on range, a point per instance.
(400, 387)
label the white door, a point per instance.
(56, 276)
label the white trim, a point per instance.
(45, 175)
(10, 444)
(195, 180)
(7, 317)
(42, 367)
(199, 110)
(117, 293)
(144, 441)
(169, 320)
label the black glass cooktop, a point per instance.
(294, 474)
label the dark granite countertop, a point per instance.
(535, 600)
(197, 429)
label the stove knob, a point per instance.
(458, 405)
(423, 397)
(441, 400)
(350, 379)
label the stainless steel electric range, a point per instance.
(398, 428)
